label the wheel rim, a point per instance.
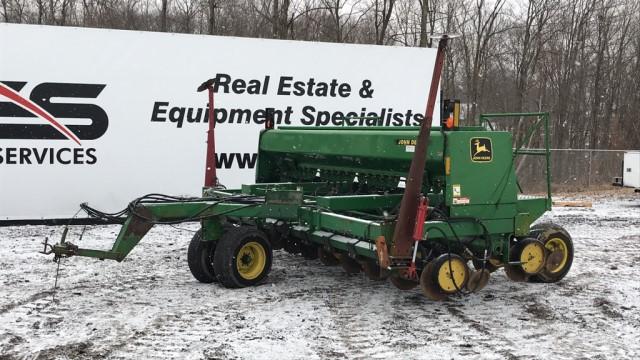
(558, 245)
(452, 275)
(251, 260)
(532, 258)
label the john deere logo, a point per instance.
(406, 142)
(481, 150)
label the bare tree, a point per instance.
(345, 17)
(427, 21)
(163, 15)
(382, 10)
(186, 11)
(5, 9)
(211, 18)
(579, 59)
(478, 24)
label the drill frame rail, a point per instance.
(344, 206)
(319, 217)
(334, 193)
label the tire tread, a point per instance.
(224, 258)
(197, 255)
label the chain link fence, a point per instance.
(571, 170)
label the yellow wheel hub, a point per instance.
(532, 258)
(251, 260)
(558, 245)
(452, 270)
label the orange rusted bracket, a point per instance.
(383, 254)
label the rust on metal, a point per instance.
(402, 236)
(383, 254)
(139, 224)
(210, 176)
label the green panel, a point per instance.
(497, 211)
(283, 197)
(522, 224)
(262, 188)
(344, 225)
(362, 143)
(377, 157)
(479, 182)
(441, 232)
(351, 245)
(358, 202)
(212, 229)
(367, 202)
(534, 206)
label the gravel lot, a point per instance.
(149, 306)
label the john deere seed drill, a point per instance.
(439, 207)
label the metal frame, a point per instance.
(324, 212)
(542, 118)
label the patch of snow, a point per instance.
(149, 306)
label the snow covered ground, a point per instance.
(150, 307)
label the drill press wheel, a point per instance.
(327, 258)
(402, 283)
(559, 247)
(444, 276)
(429, 287)
(452, 273)
(478, 280)
(529, 258)
(372, 270)
(308, 251)
(349, 265)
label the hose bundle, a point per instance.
(154, 198)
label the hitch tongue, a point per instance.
(48, 248)
(61, 249)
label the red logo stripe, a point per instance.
(37, 110)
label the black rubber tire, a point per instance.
(200, 258)
(545, 232)
(224, 261)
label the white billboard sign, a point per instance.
(105, 116)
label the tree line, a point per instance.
(577, 59)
